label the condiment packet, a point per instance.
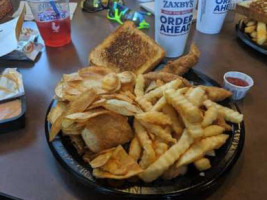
(11, 84)
(27, 47)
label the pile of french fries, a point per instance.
(257, 31)
(174, 123)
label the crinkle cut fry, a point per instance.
(183, 106)
(229, 114)
(167, 159)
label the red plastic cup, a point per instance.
(53, 21)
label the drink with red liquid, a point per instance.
(53, 21)
(55, 33)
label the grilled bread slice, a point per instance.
(127, 49)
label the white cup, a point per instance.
(239, 92)
(173, 19)
(211, 15)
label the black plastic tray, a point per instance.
(244, 37)
(188, 185)
(16, 122)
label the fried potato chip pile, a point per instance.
(166, 122)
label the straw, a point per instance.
(53, 4)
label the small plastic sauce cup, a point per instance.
(239, 92)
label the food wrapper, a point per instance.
(11, 84)
(20, 43)
(27, 47)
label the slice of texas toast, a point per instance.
(127, 49)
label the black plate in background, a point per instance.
(190, 184)
(244, 37)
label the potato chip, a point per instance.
(122, 97)
(97, 104)
(167, 159)
(202, 164)
(198, 149)
(56, 112)
(56, 127)
(66, 123)
(196, 96)
(72, 92)
(106, 131)
(154, 117)
(135, 149)
(159, 104)
(78, 105)
(119, 166)
(210, 116)
(158, 92)
(73, 129)
(177, 124)
(82, 102)
(139, 86)
(101, 159)
(111, 82)
(84, 116)
(159, 132)
(229, 114)
(93, 71)
(122, 107)
(59, 91)
(127, 77)
(183, 106)
(213, 130)
(72, 77)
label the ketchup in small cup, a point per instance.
(238, 83)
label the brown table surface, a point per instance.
(28, 169)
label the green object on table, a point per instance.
(119, 13)
(117, 16)
(143, 24)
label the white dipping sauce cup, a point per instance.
(239, 92)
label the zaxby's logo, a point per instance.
(222, 6)
(178, 4)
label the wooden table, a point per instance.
(28, 169)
